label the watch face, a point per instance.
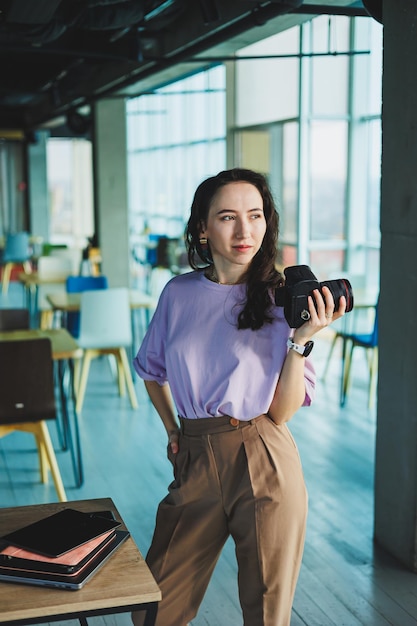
(308, 348)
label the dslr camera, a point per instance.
(299, 284)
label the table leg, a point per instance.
(77, 462)
(62, 424)
(74, 445)
(343, 374)
(151, 613)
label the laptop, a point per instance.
(70, 581)
(67, 563)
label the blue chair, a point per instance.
(78, 284)
(369, 342)
(17, 251)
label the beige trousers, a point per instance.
(242, 480)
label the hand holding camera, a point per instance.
(299, 284)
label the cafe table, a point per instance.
(64, 351)
(71, 302)
(67, 302)
(31, 283)
(123, 584)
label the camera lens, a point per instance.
(338, 288)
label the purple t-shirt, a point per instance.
(213, 368)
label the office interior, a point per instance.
(327, 112)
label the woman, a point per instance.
(237, 374)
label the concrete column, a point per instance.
(396, 441)
(111, 190)
(38, 187)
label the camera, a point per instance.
(299, 284)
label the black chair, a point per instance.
(14, 319)
(27, 399)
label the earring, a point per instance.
(205, 253)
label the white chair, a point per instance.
(158, 279)
(105, 328)
(52, 274)
(75, 255)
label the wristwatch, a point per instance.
(303, 350)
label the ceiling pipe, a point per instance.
(259, 15)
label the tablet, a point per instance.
(56, 534)
(66, 581)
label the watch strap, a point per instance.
(302, 350)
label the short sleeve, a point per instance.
(150, 361)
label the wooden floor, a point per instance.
(345, 579)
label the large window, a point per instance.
(319, 114)
(176, 138)
(328, 170)
(70, 186)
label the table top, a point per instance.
(124, 581)
(33, 279)
(64, 346)
(63, 301)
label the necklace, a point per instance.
(211, 275)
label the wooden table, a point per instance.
(64, 346)
(123, 584)
(67, 302)
(64, 350)
(31, 284)
(33, 279)
(71, 302)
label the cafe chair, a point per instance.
(17, 251)
(52, 274)
(369, 342)
(14, 319)
(105, 328)
(354, 329)
(28, 399)
(78, 284)
(158, 279)
(73, 254)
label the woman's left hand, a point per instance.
(322, 314)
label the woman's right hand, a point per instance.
(173, 441)
(173, 446)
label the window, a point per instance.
(176, 139)
(70, 185)
(324, 162)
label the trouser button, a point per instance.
(234, 421)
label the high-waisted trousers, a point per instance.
(242, 479)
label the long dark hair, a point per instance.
(261, 276)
